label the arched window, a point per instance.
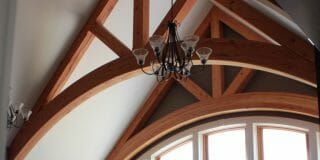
(242, 138)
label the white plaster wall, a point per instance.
(90, 131)
(43, 31)
(7, 15)
(3, 85)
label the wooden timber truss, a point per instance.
(269, 47)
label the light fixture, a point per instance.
(173, 57)
(17, 115)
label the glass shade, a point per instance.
(187, 52)
(189, 43)
(140, 54)
(157, 44)
(204, 53)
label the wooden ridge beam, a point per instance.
(110, 40)
(260, 101)
(244, 53)
(194, 89)
(73, 55)
(240, 81)
(141, 23)
(269, 27)
(180, 10)
(143, 115)
(217, 71)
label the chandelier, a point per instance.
(173, 57)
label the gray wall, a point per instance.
(6, 25)
(306, 13)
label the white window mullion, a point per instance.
(196, 146)
(250, 141)
(313, 145)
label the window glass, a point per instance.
(227, 145)
(280, 144)
(183, 151)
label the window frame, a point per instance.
(250, 123)
(205, 139)
(158, 157)
(260, 138)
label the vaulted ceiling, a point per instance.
(96, 91)
(306, 14)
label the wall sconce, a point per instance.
(17, 115)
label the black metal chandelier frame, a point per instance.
(173, 57)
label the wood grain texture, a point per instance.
(284, 102)
(180, 10)
(257, 55)
(110, 40)
(73, 55)
(240, 28)
(217, 71)
(218, 80)
(141, 23)
(267, 57)
(143, 115)
(240, 81)
(194, 89)
(89, 85)
(141, 33)
(268, 26)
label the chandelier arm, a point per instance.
(158, 59)
(175, 58)
(180, 56)
(165, 52)
(145, 71)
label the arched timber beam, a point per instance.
(245, 53)
(268, 101)
(86, 87)
(261, 56)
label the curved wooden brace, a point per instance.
(261, 56)
(251, 54)
(86, 87)
(286, 102)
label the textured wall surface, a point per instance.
(306, 14)
(6, 8)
